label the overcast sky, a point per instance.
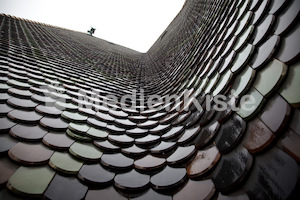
(132, 23)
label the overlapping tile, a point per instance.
(55, 110)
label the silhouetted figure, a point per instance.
(92, 31)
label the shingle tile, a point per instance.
(196, 190)
(272, 176)
(168, 178)
(65, 188)
(30, 154)
(24, 181)
(203, 162)
(132, 180)
(28, 132)
(95, 174)
(85, 151)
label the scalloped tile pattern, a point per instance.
(58, 123)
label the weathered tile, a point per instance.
(290, 144)
(258, 136)
(203, 162)
(232, 169)
(196, 190)
(230, 134)
(272, 176)
(206, 134)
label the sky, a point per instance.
(135, 24)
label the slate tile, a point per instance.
(85, 151)
(168, 178)
(232, 169)
(272, 176)
(6, 124)
(287, 17)
(204, 161)
(289, 89)
(28, 132)
(109, 193)
(276, 114)
(290, 51)
(116, 161)
(230, 134)
(95, 174)
(149, 162)
(56, 124)
(65, 163)
(65, 188)
(196, 190)
(270, 77)
(7, 169)
(258, 136)
(132, 180)
(181, 154)
(24, 181)
(265, 52)
(152, 194)
(30, 154)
